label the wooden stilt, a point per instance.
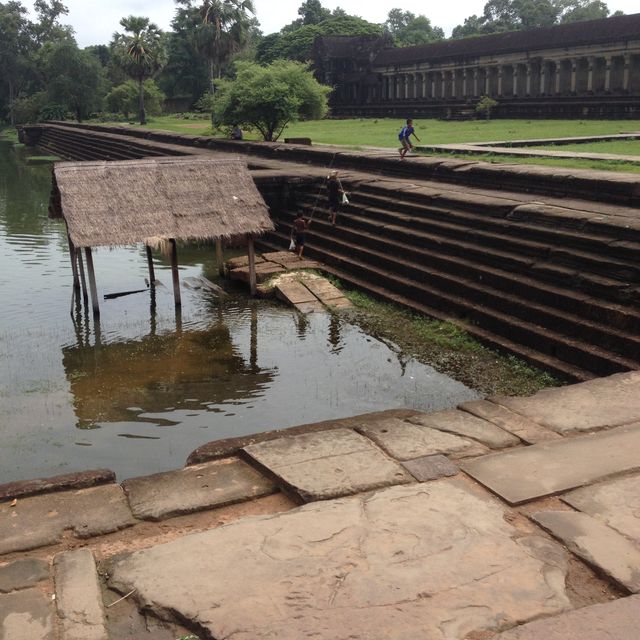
(253, 285)
(85, 295)
(74, 266)
(152, 273)
(174, 273)
(219, 256)
(92, 282)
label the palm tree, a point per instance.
(140, 51)
(222, 32)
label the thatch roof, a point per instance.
(152, 200)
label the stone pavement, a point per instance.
(395, 525)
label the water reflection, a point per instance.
(161, 373)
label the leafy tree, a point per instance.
(298, 44)
(14, 47)
(124, 98)
(485, 106)
(512, 15)
(141, 53)
(48, 27)
(407, 29)
(312, 12)
(268, 98)
(73, 78)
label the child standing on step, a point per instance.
(335, 193)
(298, 231)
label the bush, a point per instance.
(485, 106)
(124, 98)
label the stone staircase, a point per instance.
(528, 282)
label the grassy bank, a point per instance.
(9, 133)
(447, 349)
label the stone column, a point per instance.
(516, 72)
(433, 84)
(475, 81)
(487, 81)
(625, 72)
(528, 86)
(558, 64)
(443, 84)
(591, 62)
(500, 69)
(574, 74)
(543, 78)
(464, 83)
(425, 84)
(607, 73)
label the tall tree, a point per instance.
(222, 31)
(407, 29)
(312, 12)
(48, 27)
(73, 78)
(14, 46)
(141, 53)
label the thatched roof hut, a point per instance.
(151, 200)
(156, 201)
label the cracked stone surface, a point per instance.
(405, 441)
(605, 402)
(78, 596)
(466, 425)
(22, 574)
(616, 502)
(527, 473)
(26, 615)
(435, 562)
(431, 468)
(40, 521)
(597, 544)
(617, 620)
(195, 488)
(328, 464)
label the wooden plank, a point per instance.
(294, 292)
(152, 273)
(253, 285)
(174, 273)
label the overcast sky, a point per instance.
(95, 21)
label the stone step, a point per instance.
(469, 300)
(518, 295)
(391, 294)
(547, 469)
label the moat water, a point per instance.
(138, 391)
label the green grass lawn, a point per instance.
(359, 133)
(620, 147)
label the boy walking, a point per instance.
(298, 230)
(404, 136)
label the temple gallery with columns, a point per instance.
(585, 69)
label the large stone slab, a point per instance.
(203, 486)
(22, 574)
(617, 503)
(527, 473)
(78, 596)
(466, 425)
(431, 468)
(597, 544)
(26, 615)
(294, 292)
(328, 464)
(40, 520)
(596, 404)
(617, 620)
(522, 428)
(404, 440)
(435, 561)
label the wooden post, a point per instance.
(92, 282)
(85, 295)
(253, 287)
(174, 273)
(152, 273)
(219, 256)
(74, 266)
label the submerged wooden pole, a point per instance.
(253, 286)
(92, 282)
(174, 273)
(85, 295)
(74, 265)
(219, 256)
(152, 273)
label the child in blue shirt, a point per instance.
(405, 133)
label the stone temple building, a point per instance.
(579, 70)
